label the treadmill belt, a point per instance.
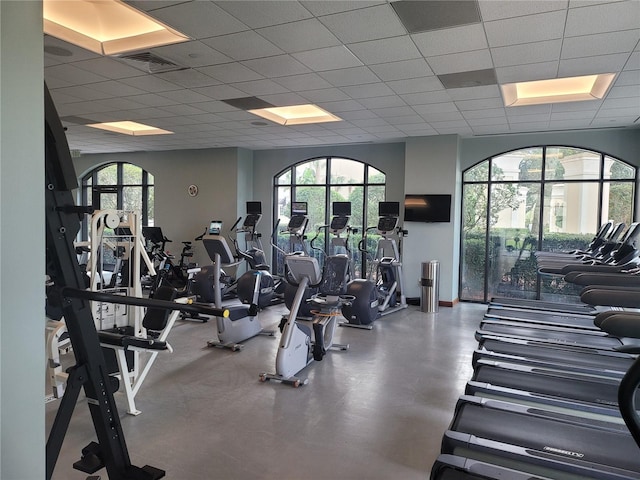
(597, 391)
(617, 362)
(542, 317)
(543, 305)
(550, 336)
(591, 441)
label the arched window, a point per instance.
(322, 181)
(120, 186)
(539, 198)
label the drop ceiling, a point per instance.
(355, 59)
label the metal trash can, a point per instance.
(429, 294)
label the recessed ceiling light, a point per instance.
(296, 114)
(130, 128)
(106, 27)
(557, 90)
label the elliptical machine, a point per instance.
(306, 340)
(242, 322)
(387, 263)
(363, 309)
(253, 254)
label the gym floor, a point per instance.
(377, 411)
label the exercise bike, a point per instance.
(306, 340)
(242, 322)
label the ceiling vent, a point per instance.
(149, 62)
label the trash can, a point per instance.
(429, 294)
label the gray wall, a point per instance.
(22, 242)
(432, 167)
(222, 176)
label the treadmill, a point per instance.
(542, 305)
(541, 317)
(453, 467)
(548, 334)
(607, 363)
(541, 442)
(561, 390)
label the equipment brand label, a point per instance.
(564, 452)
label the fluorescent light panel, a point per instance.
(130, 128)
(557, 90)
(106, 27)
(296, 114)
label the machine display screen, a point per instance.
(342, 209)
(298, 208)
(215, 227)
(254, 208)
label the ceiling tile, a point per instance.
(330, 58)
(260, 87)
(325, 95)
(73, 75)
(277, 66)
(199, 19)
(577, 115)
(450, 40)
(185, 96)
(243, 45)
(364, 24)
(532, 28)
(402, 70)
(576, 106)
(611, 17)
(590, 65)
(416, 85)
(349, 76)
(479, 104)
(326, 8)
(342, 106)
(220, 92)
(445, 107)
(486, 113)
(382, 102)
(425, 15)
(369, 90)
(600, 44)
(470, 93)
(385, 50)
(108, 68)
(230, 72)
(150, 83)
(153, 100)
(284, 99)
(300, 36)
(527, 53)
(628, 78)
(257, 14)
(634, 62)
(191, 54)
(424, 98)
(527, 73)
(116, 89)
(498, 9)
(188, 78)
(300, 83)
(461, 62)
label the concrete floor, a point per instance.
(377, 411)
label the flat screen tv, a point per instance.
(427, 208)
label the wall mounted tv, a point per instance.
(427, 208)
